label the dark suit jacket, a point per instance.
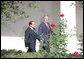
(43, 31)
(30, 37)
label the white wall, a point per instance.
(16, 43)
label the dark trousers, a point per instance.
(31, 48)
(47, 47)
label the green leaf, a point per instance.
(3, 23)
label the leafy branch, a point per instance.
(11, 8)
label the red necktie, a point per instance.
(47, 26)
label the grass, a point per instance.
(21, 54)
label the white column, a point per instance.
(70, 15)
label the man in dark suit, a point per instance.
(30, 37)
(44, 32)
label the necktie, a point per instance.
(47, 26)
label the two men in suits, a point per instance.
(30, 37)
(44, 32)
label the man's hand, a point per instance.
(27, 48)
(41, 41)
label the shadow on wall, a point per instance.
(14, 29)
(12, 35)
(18, 28)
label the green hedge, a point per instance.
(20, 54)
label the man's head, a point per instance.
(32, 24)
(46, 18)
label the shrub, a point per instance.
(21, 54)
